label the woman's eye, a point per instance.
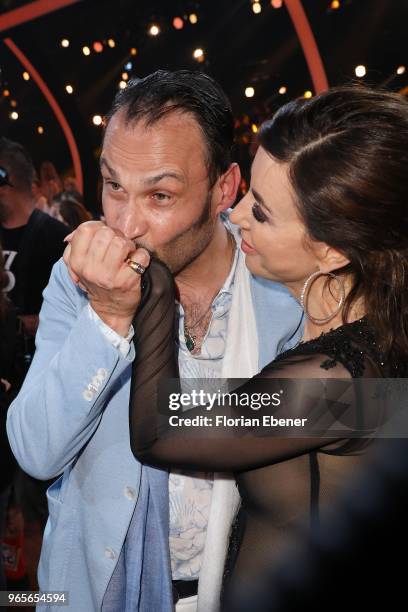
(258, 213)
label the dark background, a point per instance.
(241, 49)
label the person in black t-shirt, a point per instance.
(11, 373)
(32, 242)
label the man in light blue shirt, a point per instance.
(167, 177)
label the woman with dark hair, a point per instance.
(326, 215)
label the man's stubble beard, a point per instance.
(184, 248)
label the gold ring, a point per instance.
(136, 267)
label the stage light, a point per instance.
(40, 129)
(13, 103)
(308, 94)
(97, 47)
(254, 128)
(26, 76)
(122, 84)
(14, 115)
(65, 43)
(6, 93)
(249, 92)
(86, 51)
(401, 70)
(69, 89)
(193, 18)
(276, 4)
(154, 30)
(335, 5)
(128, 66)
(178, 23)
(360, 71)
(282, 90)
(257, 7)
(133, 51)
(198, 53)
(125, 76)
(111, 43)
(97, 120)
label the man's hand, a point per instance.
(96, 259)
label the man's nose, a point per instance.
(132, 222)
(241, 214)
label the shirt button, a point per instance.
(102, 373)
(130, 493)
(97, 380)
(110, 553)
(88, 395)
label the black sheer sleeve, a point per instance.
(153, 441)
(156, 358)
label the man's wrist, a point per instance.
(121, 325)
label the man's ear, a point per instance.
(226, 188)
(328, 258)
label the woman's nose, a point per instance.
(241, 213)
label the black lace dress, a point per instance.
(284, 483)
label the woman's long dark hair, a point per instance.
(347, 152)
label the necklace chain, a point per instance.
(190, 327)
(190, 338)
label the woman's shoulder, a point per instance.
(352, 345)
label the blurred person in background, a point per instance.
(32, 243)
(40, 200)
(11, 378)
(70, 184)
(50, 181)
(67, 208)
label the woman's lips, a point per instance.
(247, 248)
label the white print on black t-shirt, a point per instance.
(9, 257)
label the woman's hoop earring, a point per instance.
(305, 291)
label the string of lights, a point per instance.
(266, 68)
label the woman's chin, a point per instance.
(250, 264)
(258, 270)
